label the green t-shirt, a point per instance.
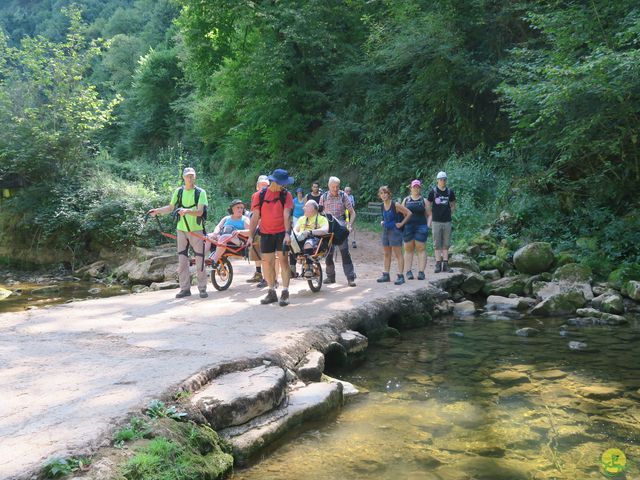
(188, 201)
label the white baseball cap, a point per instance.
(263, 179)
(188, 171)
(441, 175)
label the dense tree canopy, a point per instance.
(531, 106)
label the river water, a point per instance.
(468, 399)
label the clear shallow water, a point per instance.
(468, 399)
(27, 296)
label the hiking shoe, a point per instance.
(445, 266)
(203, 294)
(329, 280)
(353, 245)
(262, 283)
(257, 277)
(183, 293)
(438, 267)
(400, 280)
(420, 275)
(409, 275)
(270, 297)
(284, 298)
(352, 282)
(384, 278)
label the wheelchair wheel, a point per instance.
(315, 283)
(222, 274)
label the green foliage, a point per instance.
(136, 429)
(531, 108)
(59, 467)
(165, 459)
(48, 110)
(157, 409)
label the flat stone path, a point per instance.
(69, 373)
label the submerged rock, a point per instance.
(600, 392)
(527, 332)
(577, 346)
(536, 257)
(509, 377)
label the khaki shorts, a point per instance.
(441, 235)
(253, 256)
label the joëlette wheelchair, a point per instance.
(312, 259)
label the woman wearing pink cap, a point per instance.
(416, 230)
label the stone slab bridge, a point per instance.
(71, 374)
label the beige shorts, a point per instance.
(253, 256)
(441, 235)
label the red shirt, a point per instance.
(272, 213)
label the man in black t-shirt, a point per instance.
(442, 204)
(314, 194)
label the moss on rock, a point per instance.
(573, 272)
(184, 451)
(622, 275)
(533, 258)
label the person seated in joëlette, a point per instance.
(230, 229)
(310, 227)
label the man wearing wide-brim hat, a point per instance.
(271, 208)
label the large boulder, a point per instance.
(573, 273)
(148, 271)
(619, 277)
(533, 258)
(544, 290)
(473, 283)
(505, 286)
(609, 303)
(491, 262)
(95, 270)
(632, 290)
(562, 303)
(462, 261)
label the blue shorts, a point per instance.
(419, 233)
(391, 237)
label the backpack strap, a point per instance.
(263, 193)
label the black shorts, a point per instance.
(271, 242)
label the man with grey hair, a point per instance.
(337, 203)
(189, 203)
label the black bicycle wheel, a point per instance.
(315, 282)
(222, 274)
